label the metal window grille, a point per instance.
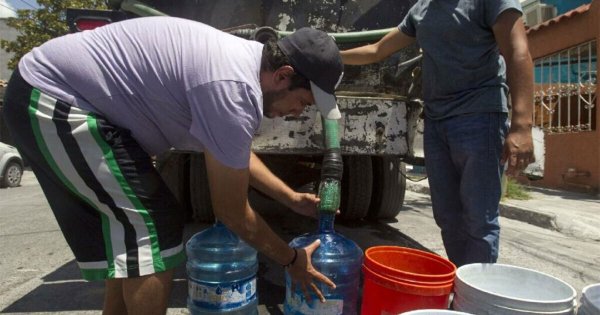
(565, 90)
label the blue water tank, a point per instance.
(339, 259)
(221, 272)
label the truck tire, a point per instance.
(296, 171)
(389, 187)
(200, 192)
(357, 184)
(174, 168)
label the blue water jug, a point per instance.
(221, 272)
(338, 258)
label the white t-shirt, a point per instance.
(174, 83)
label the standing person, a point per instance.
(474, 53)
(88, 110)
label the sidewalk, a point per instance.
(570, 213)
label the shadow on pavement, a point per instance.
(64, 291)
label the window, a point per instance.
(565, 90)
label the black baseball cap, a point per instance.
(315, 55)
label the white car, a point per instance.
(11, 166)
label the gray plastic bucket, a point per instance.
(504, 289)
(590, 300)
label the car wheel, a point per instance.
(12, 175)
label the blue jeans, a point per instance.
(462, 159)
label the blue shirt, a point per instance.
(463, 71)
(174, 83)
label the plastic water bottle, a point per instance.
(221, 272)
(338, 258)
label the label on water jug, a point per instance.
(226, 295)
(300, 306)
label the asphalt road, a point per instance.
(38, 273)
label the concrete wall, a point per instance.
(572, 160)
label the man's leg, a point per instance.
(142, 295)
(444, 184)
(148, 295)
(114, 303)
(476, 142)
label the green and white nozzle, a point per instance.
(332, 168)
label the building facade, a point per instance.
(564, 50)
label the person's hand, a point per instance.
(304, 275)
(305, 204)
(518, 151)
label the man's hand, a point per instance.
(303, 273)
(518, 151)
(304, 204)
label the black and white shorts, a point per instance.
(117, 215)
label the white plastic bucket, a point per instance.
(488, 309)
(590, 300)
(505, 289)
(434, 312)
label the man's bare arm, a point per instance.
(512, 42)
(385, 47)
(229, 193)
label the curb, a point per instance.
(543, 220)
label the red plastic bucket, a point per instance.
(398, 279)
(409, 264)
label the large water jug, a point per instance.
(338, 258)
(221, 272)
